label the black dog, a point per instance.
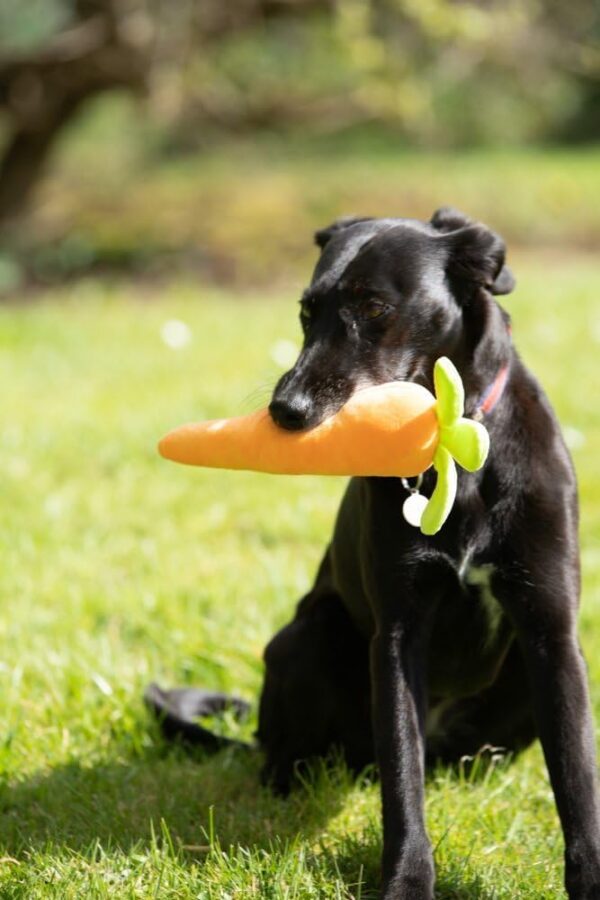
(408, 645)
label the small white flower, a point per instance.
(574, 438)
(55, 506)
(176, 334)
(284, 353)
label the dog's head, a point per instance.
(387, 297)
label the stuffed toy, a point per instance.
(395, 429)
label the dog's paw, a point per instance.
(582, 877)
(584, 892)
(413, 880)
(408, 887)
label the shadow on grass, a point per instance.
(121, 804)
(125, 805)
(363, 856)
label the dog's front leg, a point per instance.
(397, 669)
(545, 616)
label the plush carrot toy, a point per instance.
(394, 429)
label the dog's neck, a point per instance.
(484, 354)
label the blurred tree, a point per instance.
(44, 86)
(436, 72)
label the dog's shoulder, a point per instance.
(529, 484)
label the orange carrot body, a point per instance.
(387, 430)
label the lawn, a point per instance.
(119, 568)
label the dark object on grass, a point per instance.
(179, 709)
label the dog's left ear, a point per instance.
(505, 282)
(475, 255)
(324, 235)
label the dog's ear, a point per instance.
(324, 235)
(476, 255)
(504, 283)
(449, 219)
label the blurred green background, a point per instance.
(146, 137)
(163, 165)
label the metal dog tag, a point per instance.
(413, 508)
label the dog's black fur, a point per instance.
(407, 645)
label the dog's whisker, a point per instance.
(257, 398)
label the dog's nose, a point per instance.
(292, 414)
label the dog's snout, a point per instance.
(293, 413)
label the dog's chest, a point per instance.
(477, 579)
(470, 633)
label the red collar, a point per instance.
(492, 393)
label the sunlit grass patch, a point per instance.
(119, 568)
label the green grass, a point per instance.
(119, 568)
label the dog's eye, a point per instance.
(373, 309)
